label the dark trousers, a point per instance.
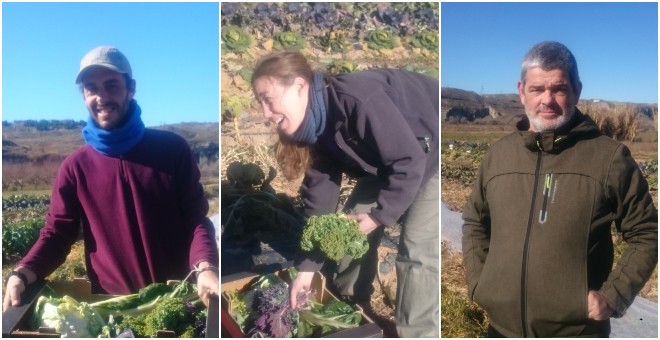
(492, 333)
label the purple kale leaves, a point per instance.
(276, 318)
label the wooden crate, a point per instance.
(241, 281)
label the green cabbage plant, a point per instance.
(335, 42)
(235, 40)
(380, 39)
(426, 40)
(288, 41)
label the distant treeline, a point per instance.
(46, 125)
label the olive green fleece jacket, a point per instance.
(537, 230)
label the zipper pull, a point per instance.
(427, 143)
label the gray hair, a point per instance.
(549, 55)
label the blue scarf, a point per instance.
(119, 140)
(314, 122)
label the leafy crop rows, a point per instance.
(337, 27)
(335, 37)
(317, 18)
(22, 218)
(460, 161)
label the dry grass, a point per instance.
(620, 122)
(454, 194)
(459, 317)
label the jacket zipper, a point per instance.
(523, 275)
(427, 143)
(543, 214)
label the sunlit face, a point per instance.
(548, 97)
(106, 96)
(284, 105)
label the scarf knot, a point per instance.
(313, 124)
(119, 140)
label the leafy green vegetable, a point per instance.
(288, 41)
(235, 40)
(173, 308)
(117, 305)
(238, 309)
(139, 303)
(380, 39)
(171, 314)
(264, 311)
(135, 324)
(235, 104)
(323, 319)
(18, 237)
(426, 40)
(335, 42)
(70, 318)
(335, 235)
(275, 318)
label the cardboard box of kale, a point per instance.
(17, 321)
(242, 282)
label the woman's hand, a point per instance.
(367, 224)
(207, 283)
(302, 283)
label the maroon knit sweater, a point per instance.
(143, 215)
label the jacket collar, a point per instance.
(579, 127)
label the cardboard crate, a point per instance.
(15, 321)
(241, 281)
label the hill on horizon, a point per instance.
(461, 106)
(25, 143)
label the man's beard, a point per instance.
(540, 125)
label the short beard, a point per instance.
(541, 126)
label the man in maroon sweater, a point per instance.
(134, 191)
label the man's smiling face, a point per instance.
(107, 96)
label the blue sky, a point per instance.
(615, 44)
(172, 48)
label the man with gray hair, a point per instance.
(537, 241)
